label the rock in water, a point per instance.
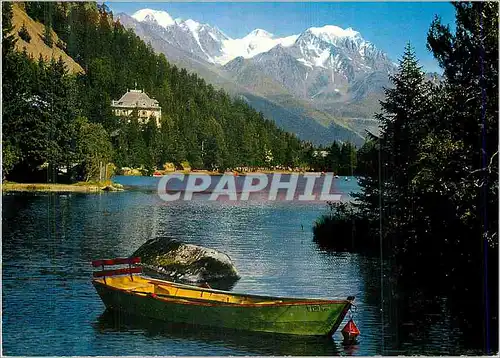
(113, 187)
(186, 262)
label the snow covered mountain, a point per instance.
(201, 40)
(256, 42)
(326, 70)
(332, 68)
(210, 43)
(313, 44)
(161, 18)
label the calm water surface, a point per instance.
(51, 308)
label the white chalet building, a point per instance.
(137, 100)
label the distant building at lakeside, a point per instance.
(320, 153)
(137, 100)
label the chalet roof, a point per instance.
(136, 98)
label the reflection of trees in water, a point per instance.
(418, 319)
(27, 216)
(247, 342)
(15, 209)
(14, 203)
(441, 316)
(100, 225)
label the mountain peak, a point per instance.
(334, 31)
(162, 18)
(191, 24)
(260, 33)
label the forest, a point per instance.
(428, 204)
(53, 119)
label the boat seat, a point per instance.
(161, 290)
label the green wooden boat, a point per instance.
(125, 290)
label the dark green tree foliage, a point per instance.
(469, 119)
(24, 34)
(339, 159)
(387, 191)
(10, 149)
(47, 35)
(8, 39)
(38, 114)
(50, 13)
(430, 181)
(48, 21)
(36, 10)
(467, 125)
(39, 118)
(406, 112)
(93, 148)
(369, 180)
(347, 160)
(199, 123)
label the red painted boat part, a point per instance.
(117, 261)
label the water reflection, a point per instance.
(244, 342)
(413, 321)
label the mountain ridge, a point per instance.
(331, 72)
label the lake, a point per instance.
(51, 308)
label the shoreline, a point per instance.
(109, 186)
(207, 172)
(60, 188)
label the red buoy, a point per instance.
(350, 332)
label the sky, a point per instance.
(388, 25)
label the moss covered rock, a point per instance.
(186, 262)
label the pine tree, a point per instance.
(24, 34)
(467, 127)
(333, 158)
(47, 35)
(347, 159)
(403, 119)
(8, 39)
(470, 62)
(10, 91)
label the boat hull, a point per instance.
(314, 318)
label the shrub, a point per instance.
(24, 34)
(47, 36)
(344, 229)
(61, 45)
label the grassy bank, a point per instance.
(82, 187)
